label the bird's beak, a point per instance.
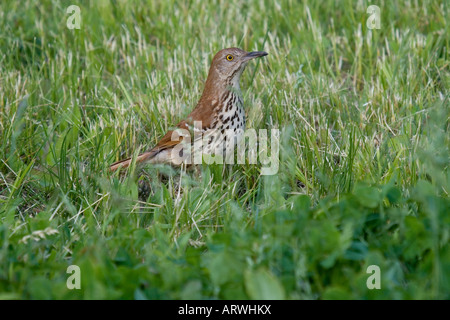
(254, 54)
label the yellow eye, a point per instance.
(230, 57)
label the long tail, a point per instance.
(159, 154)
(122, 164)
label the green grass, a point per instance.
(363, 177)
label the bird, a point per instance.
(219, 109)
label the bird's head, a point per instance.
(228, 64)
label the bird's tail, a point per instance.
(161, 153)
(123, 164)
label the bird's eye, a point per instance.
(230, 57)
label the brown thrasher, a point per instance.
(219, 109)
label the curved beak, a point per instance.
(254, 54)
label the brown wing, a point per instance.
(204, 112)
